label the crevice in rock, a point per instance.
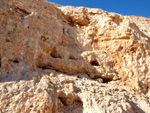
(72, 57)
(94, 63)
(101, 79)
(22, 11)
(106, 80)
(71, 104)
(63, 100)
(54, 53)
(117, 39)
(16, 61)
(71, 22)
(44, 38)
(49, 66)
(31, 106)
(133, 49)
(45, 67)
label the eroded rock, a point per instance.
(62, 59)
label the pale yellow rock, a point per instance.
(64, 59)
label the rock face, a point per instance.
(63, 59)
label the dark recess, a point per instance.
(72, 58)
(45, 67)
(54, 53)
(16, 61)
(22, 10)
(106, 80)
(63, 100)
(94, 63)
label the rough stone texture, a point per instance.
(63, 59)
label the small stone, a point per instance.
(52, 75)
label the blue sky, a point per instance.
(125, 7)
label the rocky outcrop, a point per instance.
(62, 59)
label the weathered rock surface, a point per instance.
(63, 59)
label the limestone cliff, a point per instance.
(63, 59)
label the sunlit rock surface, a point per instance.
(64, 59)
